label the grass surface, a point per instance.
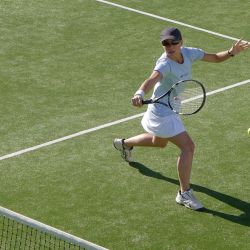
(69, 66)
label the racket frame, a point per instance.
(156, 99)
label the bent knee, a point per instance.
(162, 145)
(159, 142)
(189, 147)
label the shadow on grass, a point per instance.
(243, 219)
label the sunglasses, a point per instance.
(168, 43)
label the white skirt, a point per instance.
(162, 126)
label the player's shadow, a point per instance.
(243, 206)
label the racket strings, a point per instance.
(187, 97)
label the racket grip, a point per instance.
(147, 101)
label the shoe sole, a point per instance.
(122, 155)
(116, 147)
(198, 209)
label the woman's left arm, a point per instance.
(237, 47)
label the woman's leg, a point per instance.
(184, 161)
(146, 140)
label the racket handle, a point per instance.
(147, 101)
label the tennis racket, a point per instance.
(185, 97)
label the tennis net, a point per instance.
(20, 232)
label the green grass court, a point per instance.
(68, 66)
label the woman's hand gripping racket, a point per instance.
(185, 97)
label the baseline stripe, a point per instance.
(228, 87)
(167, 20)
(23, 151)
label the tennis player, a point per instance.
(160, 123)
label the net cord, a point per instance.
(48, 229)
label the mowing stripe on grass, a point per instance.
(167, 20)
(83, 132)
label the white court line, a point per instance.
(46, 144)
(217, 90)
(168, 20)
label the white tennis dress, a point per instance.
(160, 120)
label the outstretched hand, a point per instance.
(239, 46)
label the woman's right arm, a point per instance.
(146, 86)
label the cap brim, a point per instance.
(163, 38)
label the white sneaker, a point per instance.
(188, 199)
(126, 153)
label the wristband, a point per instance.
(140, 92)
(230, 53)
